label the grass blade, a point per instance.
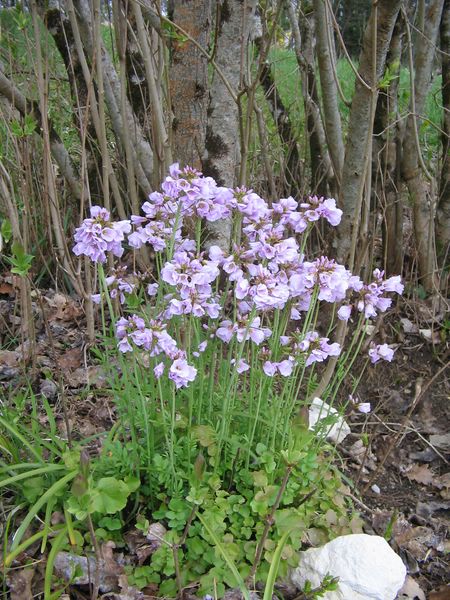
(274, 566)
(53, 490)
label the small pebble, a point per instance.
(375, 489)
(48, 388)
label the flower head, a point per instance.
(381, 351)
(98, 235)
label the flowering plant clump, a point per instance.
(224, 346)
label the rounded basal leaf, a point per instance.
(109, 495)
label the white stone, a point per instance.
(367, 567)
(318, 411)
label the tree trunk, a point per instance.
(222, 155)
(443, 207)
(419, 182)
(59, 27)
(189, 82)
(332, 118)
(322, 179)
(376, 42)
(141, 149)
(385, 157)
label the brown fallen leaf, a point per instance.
(443, 593)
(9, 358)
(63, 308)
(71, 359)
(7, 289)
(421, 473)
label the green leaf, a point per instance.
(78, 506)
(240, 582)
(6, 230)
(20, 260)
(33, 488)
(133, 483)
(110, 523)
(16, 128)
(204, 434)
(29, 124)
(259, 478)
(109, 496)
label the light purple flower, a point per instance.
(252, 331)
(316, 348)
(98, 235)
(158, 370)
(152, 289)
(284, 367)
(364, 407)
(181, 373)
(269, 368)
(381, 351)
(344, 313)
(241, 365)
(372, 297)
(226, 331)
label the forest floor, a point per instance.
(401, 471)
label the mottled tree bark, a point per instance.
(189, 82)
(419, 182)
(443, 207)
(222, 154)
(376, 42)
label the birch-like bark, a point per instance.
(189, 82)
(332, 119)
(443, 207)
(420, 183)
(376, 42)
(222, 154)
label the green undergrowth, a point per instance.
(213, 522)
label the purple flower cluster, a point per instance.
(98, 235)
(380, 351)
(265, 272)
(118, 284)
(372, 298)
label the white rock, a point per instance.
(367, 567)
(318, 411)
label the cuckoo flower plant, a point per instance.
(223, 345)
